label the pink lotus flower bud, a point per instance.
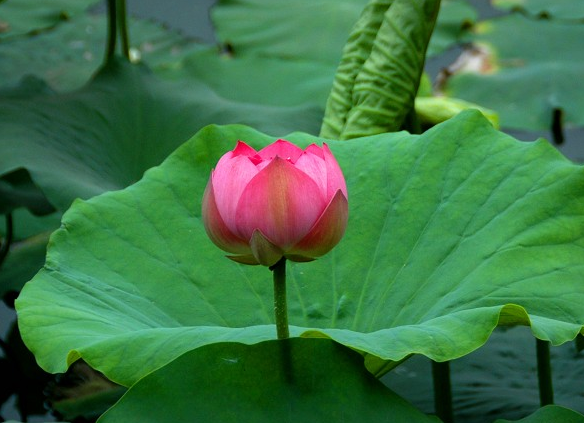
(278, 202)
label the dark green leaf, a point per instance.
(262, 80)
(67, 56)
(18, 17)
(550, 414)
(296, 380)
(308, 29)
(25, 258)
(17, 190)
(105, 135)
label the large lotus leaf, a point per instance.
(563, 9)
(450, 233)
(68, 55)
(528, 69)
(18, 17)
(313, 30)
(105, 135)
(499, 380)
(297, 380)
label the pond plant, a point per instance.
(395, 224)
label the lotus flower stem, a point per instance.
(544, 372)
(123, 26)
(111, 30)
(280, 307)
(442, 391)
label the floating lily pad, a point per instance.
(563, 9)
(305, 29)
(314, 30)
(454, 18)
(18, 17)
(297, 380)
(67, 56)
(525, 71)
(105, 135)
(450, 233)
(262, 80)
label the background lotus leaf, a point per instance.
(563, 9)
(525, 69)
(105, 135)
(451, 233)
(499, 380)
(69, 54)
(295, 30)
(454, 18)
(20, 17)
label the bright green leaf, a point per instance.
(379, 74)
(296, 380)
(432, 110)
(450, 233)
(524, 69)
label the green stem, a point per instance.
(110, 47)
(280, 307)
(123, 27)
(412, 122)
(544, 372)
(442, 391)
